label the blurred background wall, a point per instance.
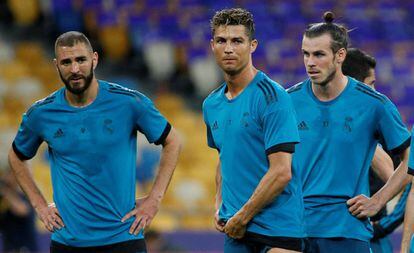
(161, 47)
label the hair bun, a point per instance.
(328, 17)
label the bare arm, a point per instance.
(362, 206)
(48, 214)
(408, 222)
(269, 187)
(148, 207)
(382, 164)
(219, 224)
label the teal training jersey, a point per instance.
(338, 141)
(411, 158)
(244, 130)
(93, 159)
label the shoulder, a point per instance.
(296, 88)
(121, 92)
(270, 91)
(43, 103)
(213, 95)
(368, 94)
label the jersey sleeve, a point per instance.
(27, 141)
(280, 125)
(150, 121)
(411, 158)
(392, 129)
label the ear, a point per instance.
(253, 45)
(95, 58)
(340, 55)
(212, 45)
(55, 63)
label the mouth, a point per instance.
(313, 73)
(76, 78)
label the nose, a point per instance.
(310, 61)
(74, 67)
(228, 49)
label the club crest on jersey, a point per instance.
(348, 124)
(215, 125)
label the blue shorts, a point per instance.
(257, 243)
(337, 245)
(381, 245)
(133, 246)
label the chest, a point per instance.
(234, 121)
(85, 131)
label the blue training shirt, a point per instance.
(93, 159)
(411, 158)
(258, 122)
(338, 141)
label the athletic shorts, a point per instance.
(133, 246)
(337, 245)
(257, 243)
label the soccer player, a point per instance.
(90, 127)
(340, 122)
(250, 121)
(407, 243)
(361, 66)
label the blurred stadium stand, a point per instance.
(162, 48)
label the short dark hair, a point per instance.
(69, 39)
(357, 64)
(338, 32)
(233, 16)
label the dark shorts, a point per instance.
(337, 245)
(257, 243)
(133, 246)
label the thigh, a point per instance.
(279, 250)
(341, 245)
(236, 246)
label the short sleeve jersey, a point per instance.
(93, 159)
(244, 130)
(338, 141)
(411, 158)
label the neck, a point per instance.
(84, 99)
(332, 89)
(237, 83)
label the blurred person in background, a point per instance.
(361, 66)
(251, 123)
(340, 122)
(17, 218)
(91, 127)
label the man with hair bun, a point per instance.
(340, 122)
(251, 122)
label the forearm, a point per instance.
(26, 182)
(269, 187)
(408, 222)
(396, 183)
(382, 164)
(218, 187)
(168, 162)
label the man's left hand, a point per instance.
(144, 211)
(235, 227)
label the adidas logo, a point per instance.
(58, 133)
(215, 125)
(302, 126)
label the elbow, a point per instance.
(284, 176)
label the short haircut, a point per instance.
(233, 16)
(338, 32)
(69, 39)
(357, 64)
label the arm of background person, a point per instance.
(382, 164)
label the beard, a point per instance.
(327, 80)
(77, 90)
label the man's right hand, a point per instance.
(50, 217)
(218, 222)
